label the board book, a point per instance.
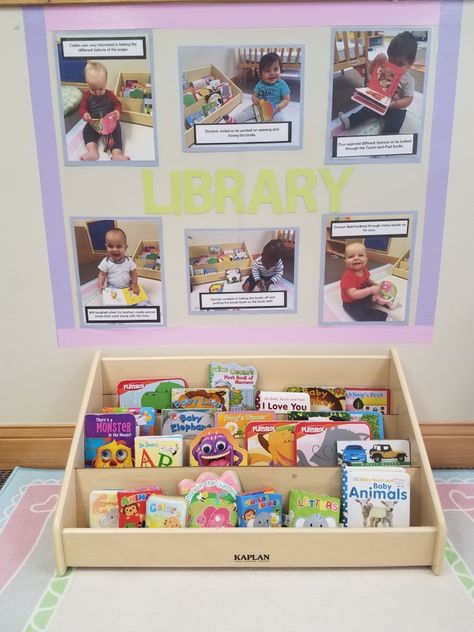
(315, 441)
(109, 439)
(132, 507)
(103, 509)
(236, 422)
(270, 443)
(368, 400)
(379, 92)
(216, 398)
(240, 380)
(374, 452)
(117, 297)
(311, 510)
(144, 416)
(322, 398)
(154, 392)
(159, 451)
(375, 497)
(260, 509)
(188, 423)
(165, 512)
(104, 125)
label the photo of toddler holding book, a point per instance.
(116, 270)
(267, 269)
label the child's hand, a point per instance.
(375, 289)
(87, 117)
(261, 286)
(135, 289)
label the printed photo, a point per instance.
(367, 269)
(107, 98)
(251, 269)
(378, 88)
(119, 271)
(241, 97)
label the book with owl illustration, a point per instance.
(109, 439)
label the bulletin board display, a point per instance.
(225, 173)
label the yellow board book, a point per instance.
(122, 297)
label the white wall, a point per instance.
(42, 383)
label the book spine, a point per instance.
(344, 496)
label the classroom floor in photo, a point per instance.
(138, 142)
(333, 311)
(283, 284)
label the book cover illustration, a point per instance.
(103, 509)
(216, 447)
(132, 507)
(159, 451)
(109, 439)
(282, 402)
(270, 443)
(165, 512)
(323, 398)
(240, 380)
(368, 400)
(260, 510)
(263, 111)
(145, 417)
(104, 125)
(188, 423)
(375, 421)
(236, 422)
(153, 392)
(316, 442)
(217, 398)
(375, 497)
(116, 297)
(374, 452)
(381, 88)
(311, 510)
(211, 502)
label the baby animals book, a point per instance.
(116, 297)
(375, 497)
(381, 88)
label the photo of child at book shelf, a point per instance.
(366, 278)
(360, 58)
(237, 86)
(239, 263)
(118, 265)
(107, 105)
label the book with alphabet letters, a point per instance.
(379, 92)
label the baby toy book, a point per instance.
(165, 512)
(104, 125)
(103, 509)
(186, 422)
(308, 509)
(240, 380)
(263, 111)
(270, 443)
(116, 297)
(154, 392)
(159, 451)
(381, 88)
(145, 418)
(374, 452)
(109, 439)
(375, 497)
(260, 509)
(216, 447)
(323, 398)
(132, 507)
(211, 500)
(217, 398)
(315, 441)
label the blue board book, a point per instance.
(260, 509)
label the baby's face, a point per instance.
(356, 257)
(272, 73)
(97, 82)
(116, 247)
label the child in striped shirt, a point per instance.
(267, 269)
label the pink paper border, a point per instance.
(245, 335)
(235, 16)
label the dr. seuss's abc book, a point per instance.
(260, 509)
(159, 451)
(308, 509)
(323, 398)
(381, 88)
(240, 380)
(186, 422)
(109, 439)
(132, 507)
(217, 398)
(236, 422)
(270, 443)
(165, 512)
(315, 441)
(154, 392)
(375, 497)
(145, 418)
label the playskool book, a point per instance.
(368, 400)
(165, 512)
(311, 510)
(145, 418)
(154, 392)
(132, 507)
(270, 443)
(159, 451)
(374, 452)
(260, 509)
(323, 398)
(240, 380)
(116, 297)
(381, 88)
(315, 441)
(375, 420)
(103, 509)
(109, 439)
(375, 497)
(236, 422)
(188, 423)
(217, 398)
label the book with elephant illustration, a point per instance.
(375, 497)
